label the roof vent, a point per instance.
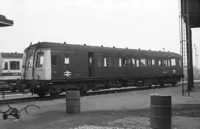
(139, 49)
(84, 44)
(113, 46)
(64, 42)
(126, 47)
(149, 49)
(101, 45)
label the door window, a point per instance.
(67, 60)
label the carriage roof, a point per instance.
(101, 49)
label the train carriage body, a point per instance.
(60, 65)
(10, 68)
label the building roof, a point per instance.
(193, 7)
(11, 55)
(5, 22)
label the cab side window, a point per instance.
(40, 59)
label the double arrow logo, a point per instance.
(67, 73)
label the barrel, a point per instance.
(72, 102)
(161, 112)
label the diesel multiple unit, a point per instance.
(50, 68)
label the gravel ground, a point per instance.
(111, 111)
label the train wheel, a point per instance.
(13, 89)
(174, 84)
(41, 95)
(54, 95)
(162, 84)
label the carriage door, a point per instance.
(91, 64)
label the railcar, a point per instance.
(10, 69)
(50, 68)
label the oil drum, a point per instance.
(161, 112)
(73, 101)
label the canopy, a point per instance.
(5, 22)
(193, 9)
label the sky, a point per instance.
(134, 24)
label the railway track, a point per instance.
(90, 93)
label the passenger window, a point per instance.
(164, 62)
(40, 59)
(5, 66)
(129, 62)
(168, 62)
(90, 60)
(143, 63)
(149, 62)
(53, 60)
(180, 63)
(14, 65)
(133, 62)
(109, 62)
(173, 62)
(137, 63)
(153, 62)
(159, 63)
(124, 61)
(105, 62)
(99, 61)
(120, 62)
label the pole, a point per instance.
(189, 51)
